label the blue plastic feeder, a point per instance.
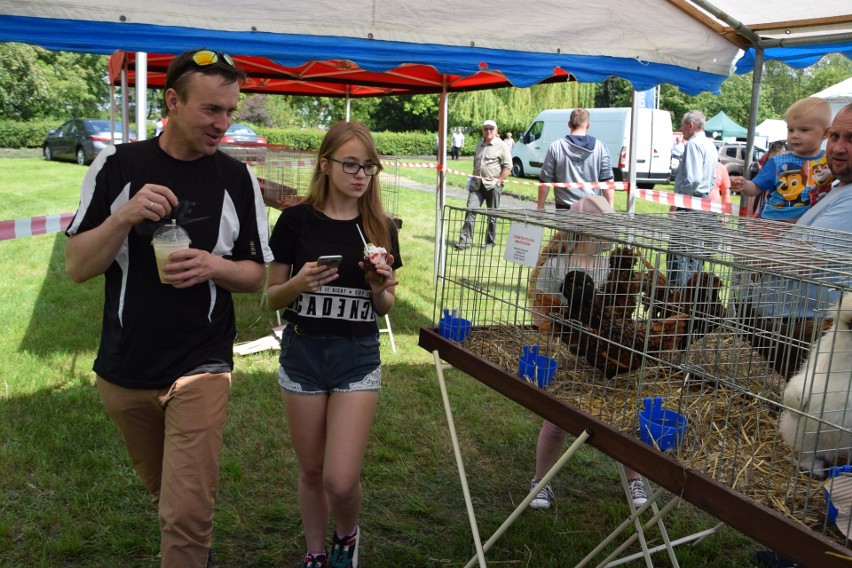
(660, 427)
(535, 367)
(545, 368)
(835, 471)
(526, 362)
(454, 328)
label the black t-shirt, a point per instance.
(344, 306)
(154, 333)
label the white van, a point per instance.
(612, 127)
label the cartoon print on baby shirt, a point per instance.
(819, 179)
(792, 186)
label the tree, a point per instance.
(254, 109)
(26, 91)
(404, 113)
(38, 83)
(513, 109)
(830, 70)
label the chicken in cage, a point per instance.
(718, 345)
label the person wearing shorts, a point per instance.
(330, 372)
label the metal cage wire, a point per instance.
(717, 343)
(284, 175)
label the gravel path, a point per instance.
(508, 200)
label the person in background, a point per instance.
(576, 158)
(586, 255)
(166, 352)
(492, 164)
(777, 147)
(330, 373)
(678, 148)
(458, 143)
(722, 189)
(510, 142)
(789, 178)
(677, 154)
(696, 177)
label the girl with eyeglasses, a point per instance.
(330, 372)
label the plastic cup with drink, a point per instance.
(168, 239)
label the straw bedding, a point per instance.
(727, 391)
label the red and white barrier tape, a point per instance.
(620, 185)
(30, 226)
(684, 201)
(663, 197)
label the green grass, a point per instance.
(69, 496)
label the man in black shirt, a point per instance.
(166, 352)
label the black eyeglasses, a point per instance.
(353, 167)
(206, 57)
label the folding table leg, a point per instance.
(389, 331)
(569, 453)
(439, 367)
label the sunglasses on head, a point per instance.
(201, 60)
(206, 57)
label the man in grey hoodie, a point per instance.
(576, 158)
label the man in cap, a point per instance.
(492, 163)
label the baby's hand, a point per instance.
(737, 183)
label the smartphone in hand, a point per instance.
(331, 260)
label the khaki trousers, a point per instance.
(174, 438)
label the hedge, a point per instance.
(31, 134)
(24, 134)
(387, 143)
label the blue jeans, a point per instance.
(324, 363)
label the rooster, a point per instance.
(699, 298)
(615, 343)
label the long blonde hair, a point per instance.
(370, 204)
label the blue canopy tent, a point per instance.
(618, 38)
(692, 44)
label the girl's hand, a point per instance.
(380, 277)
(314, 276)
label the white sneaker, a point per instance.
(637, 492)
(544, 497)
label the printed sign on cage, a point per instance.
(524, 245)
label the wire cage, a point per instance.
(284, 175)
(712, 314)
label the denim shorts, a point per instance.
(321, 364)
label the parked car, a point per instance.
(81, 140)
(732, 155)
(243, 143)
